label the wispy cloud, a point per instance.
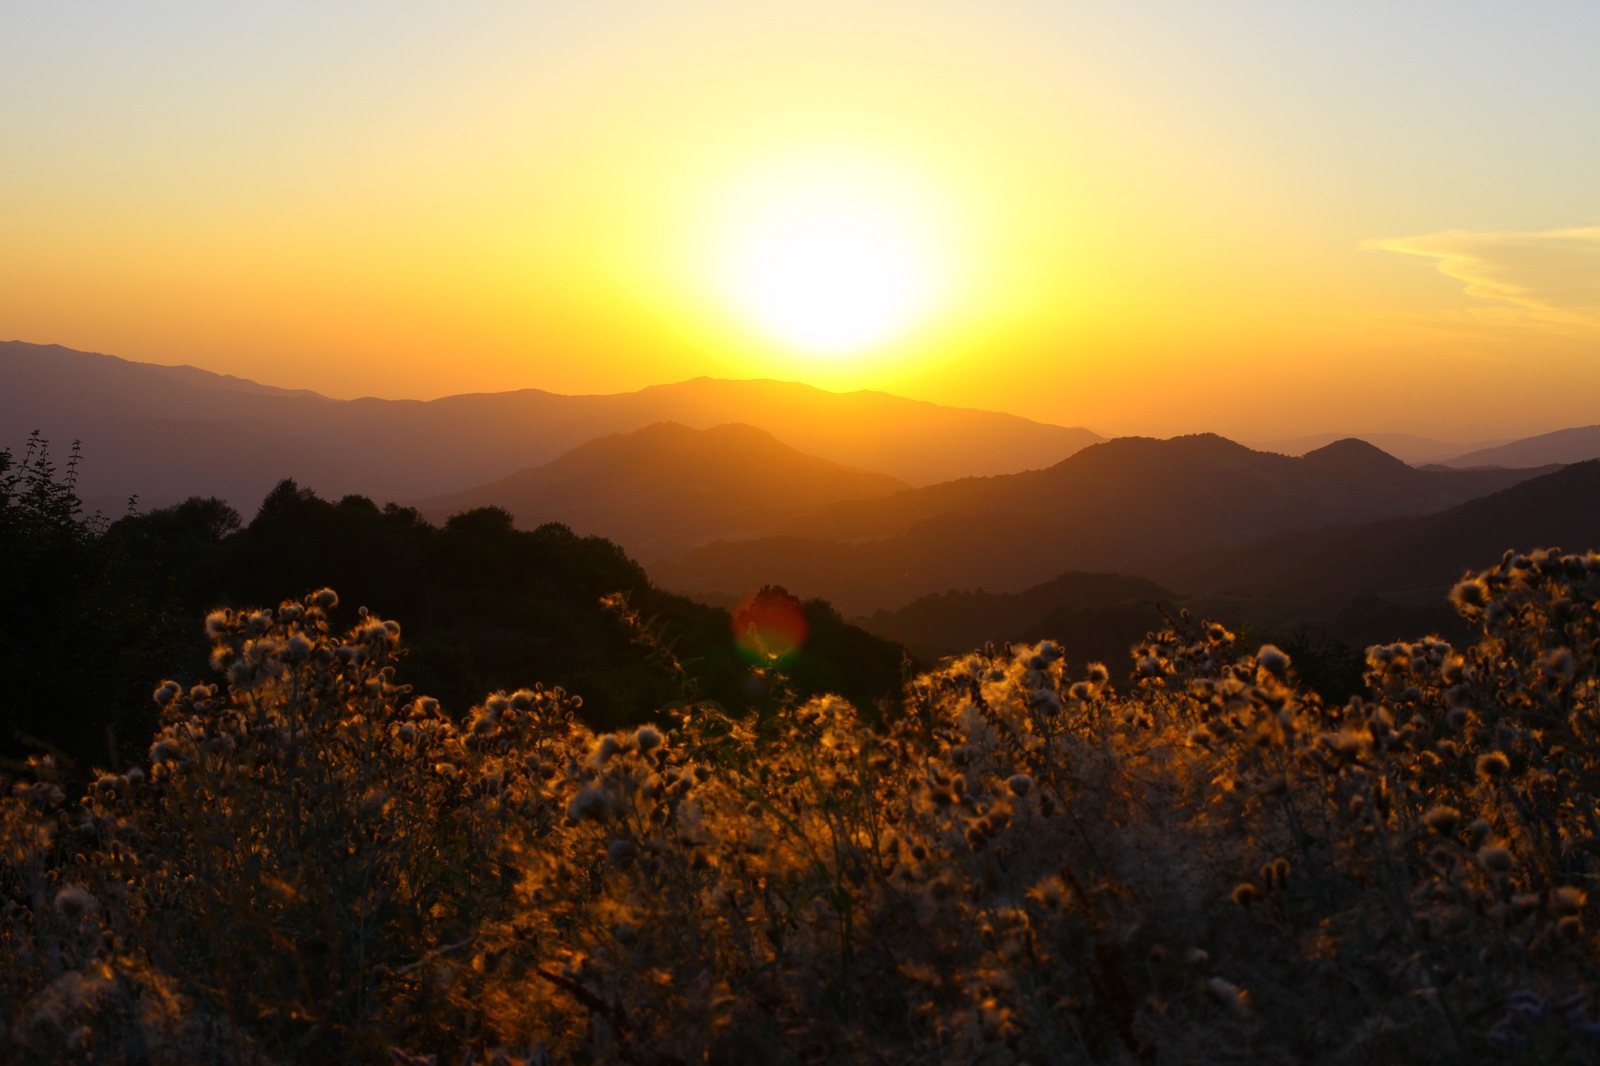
(1550, 278)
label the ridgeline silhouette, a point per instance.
(169, 433)
(88, 609)
(1125, 505)
(665, 489)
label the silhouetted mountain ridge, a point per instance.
(1122, 505)
(167, 433)
(1561, 508)
(1098, 615)
(1563, 446)
(1407, 447)
(665, 488)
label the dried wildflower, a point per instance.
(1493, 764)
(590, 804)
(75, 901)
(647, 738)
(1050, 893)
(1275, 874)
(166, 692)
(1271, 660)
(1442, 820)
(1019, 784)
(1558, 666)
(1047, 651)
(607, 747)
(1495, 858)
(1229, 995)
(1568, 899)
(1469, 596)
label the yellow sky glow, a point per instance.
(1142, 218)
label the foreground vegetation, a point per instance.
(314, 863)
(311, 860)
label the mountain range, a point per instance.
(1126, 505)
(873, 502)
(1562, 446)
(1557, 509)
(168, 433)
(1407, 447)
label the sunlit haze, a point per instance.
(1257, 218)
(829, 258)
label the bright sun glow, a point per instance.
(830, 259)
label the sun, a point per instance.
(829, 259)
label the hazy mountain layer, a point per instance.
(665, 489)
(1078, 607)
(1124, 505)
(1560, 509)
(167, 433)
(1562, 446)
(1408, 447)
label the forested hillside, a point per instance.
(91, 607)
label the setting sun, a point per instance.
(829, 259)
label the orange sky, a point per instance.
(1151, 218)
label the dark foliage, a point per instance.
(90, 610)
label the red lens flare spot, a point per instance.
(769, 625)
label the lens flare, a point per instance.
(769, 626)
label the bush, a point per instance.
(1021, 865)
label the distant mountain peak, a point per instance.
(1353, 455)
(666, 487)
(1188, 447)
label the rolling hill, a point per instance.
(665, 489)
(1561, 508)
(1408, 447)
(1098, 615)
(1562, 446)
(1124, 505)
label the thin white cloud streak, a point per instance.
(1548, 279)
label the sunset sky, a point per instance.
(1260, 218)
